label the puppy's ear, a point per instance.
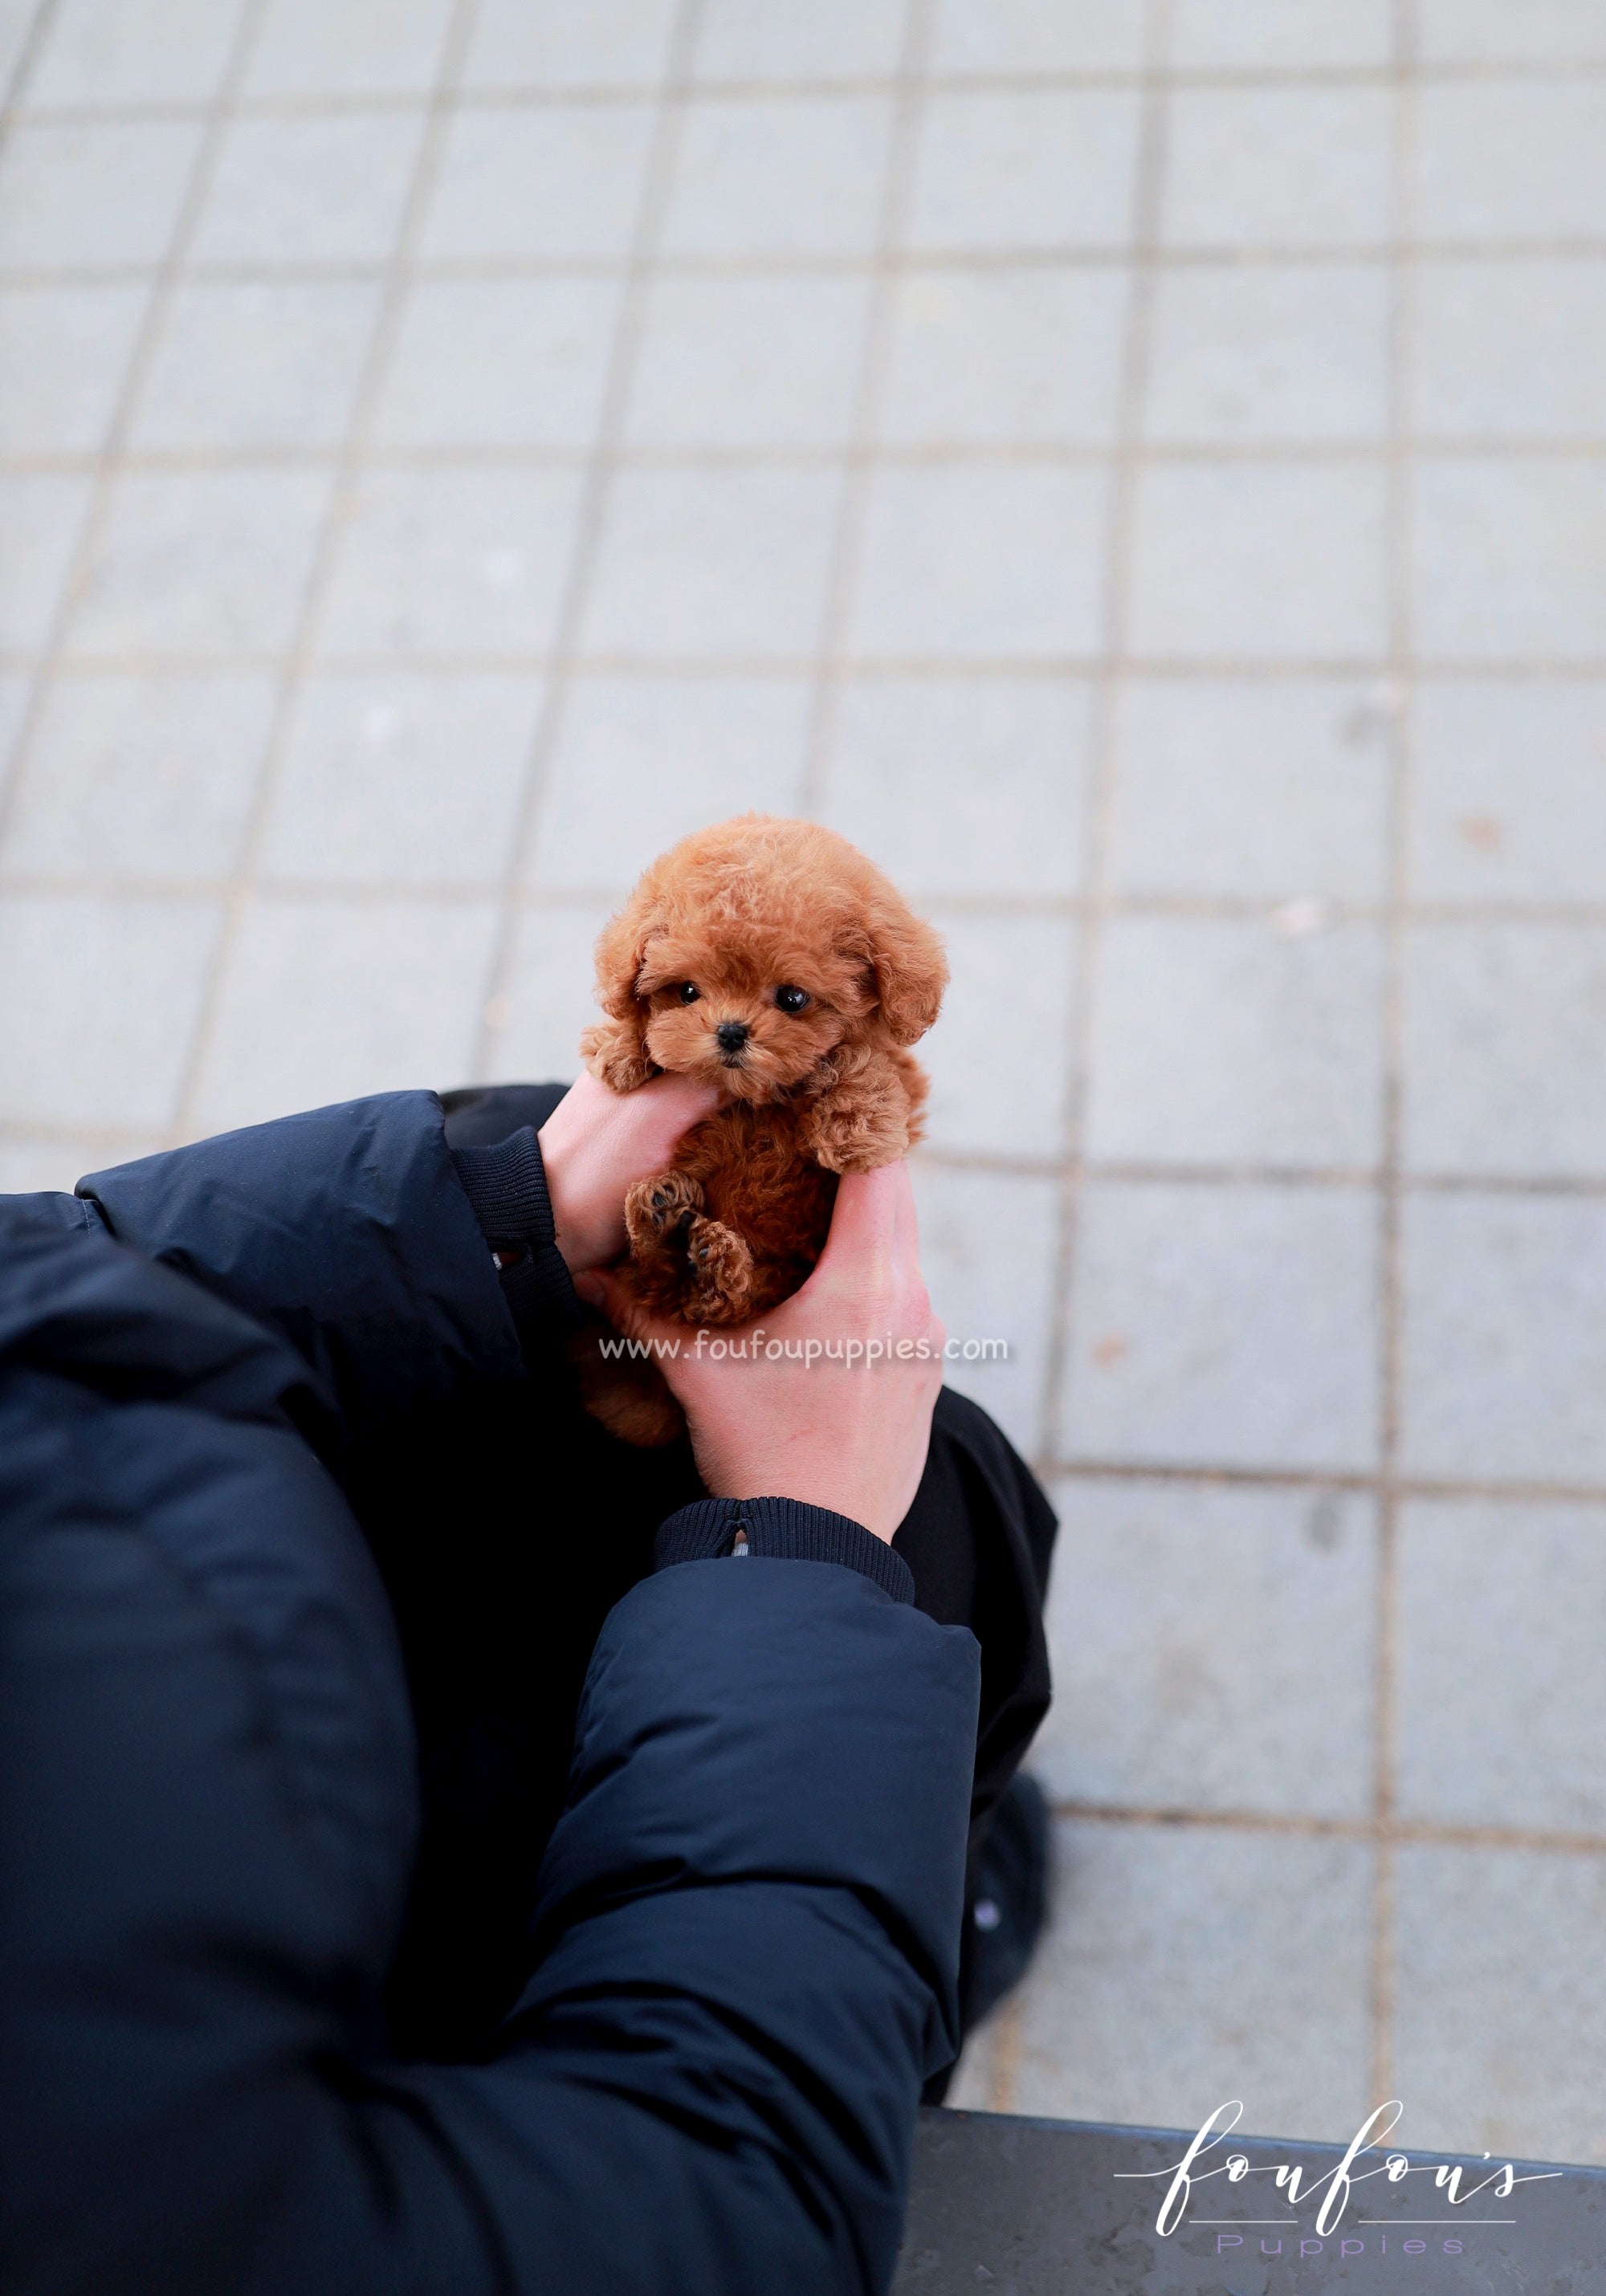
(615, 1050)
(906, 960)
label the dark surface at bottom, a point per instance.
(1056, 2208)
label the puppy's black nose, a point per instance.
(731, 1036)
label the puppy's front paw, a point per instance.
(720, 1291)
(656, 1211)
(613, 1053)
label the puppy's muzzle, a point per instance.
(731, 1038)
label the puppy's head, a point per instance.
(751, 951)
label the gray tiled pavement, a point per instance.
(1138, 467)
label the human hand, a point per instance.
(851, 1436)
(597, 1143)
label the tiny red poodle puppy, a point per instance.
(772, 959)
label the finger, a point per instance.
(601, 1288)
(859, 1248)
(906, 1231)
(669, 1107)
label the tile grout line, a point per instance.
(1103, 746)
(297, 660)
(28, 54)
(597, 486)
(1391, 1304)
(1268, 79)
(1067, 254)
(1096, 898)
(863, 449)
(163, 279)
(1303, 1825)
(857, 458)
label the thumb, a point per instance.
(601, 1288)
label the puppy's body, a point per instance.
(772, 958)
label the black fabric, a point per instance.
(497, 1641)
(738, 1952)
(783, 1529)
(505, 1182)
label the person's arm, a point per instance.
(355, 1233)
(749, 1912)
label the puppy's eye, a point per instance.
(688, 992)
(790, 999)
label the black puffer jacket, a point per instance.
(746, 1920)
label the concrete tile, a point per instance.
(313, 190)
(64, 352)
(1020, 356)
(1505, 1346)
(1212, 1649)
(1505, 1049)
(499, 363)
(1489, 32)
(1479, 831)
(1280, 35)
(41, 516)
(801, 175)
(324, 1000)
(1519, 159)
(1041, 168)
(998, 1058)
(403, 779)
(1513, 349)
(1250, 788)
(799, 39)
(1222, 1040)
(748, 362)
(561, 181)
(132, 51)
(977, 560)
(247, 367)
(1277, 166)
(1022, 36)
(714, 564)
(364, 47)
(1518, 1932)
(147, 776)
(1260, 561)
(199, 563)
(100, 193)
(987, 1247)
(1167, 1981)
(1224, 1326)
(57, 1161)
(641, 762)
(442, 561)
(1500, 1706)
(1510, 559)
(569, 43)
(1274, 353)
(963, 785)
(547, 999)
(72, 1054)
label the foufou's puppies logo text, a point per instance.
(1273, 2197)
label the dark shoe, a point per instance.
(1007, 1906)
(1008, 1903)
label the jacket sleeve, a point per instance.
(347, 1230)
(748, 1916)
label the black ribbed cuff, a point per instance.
(506, 1189)
(784, 1529)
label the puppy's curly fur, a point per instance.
(770, 958)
